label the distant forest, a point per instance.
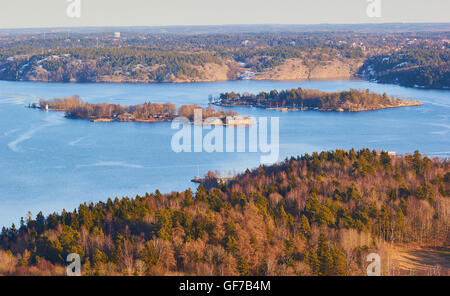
(318, 214)
(89, 64)
(420, 68)
(409, 59)
(350, 101)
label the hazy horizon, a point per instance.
(29, 14)
(87, 27)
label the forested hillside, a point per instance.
(103, 64)
(111, 64)
(318, 214)
(410, 59)
(420, 68)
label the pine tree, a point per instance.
(305, 228)
(339, 263)
(324, 256)
(243, 267)
(310, 258)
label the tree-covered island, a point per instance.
(310, 99)
(76, 108)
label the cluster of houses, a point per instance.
(251, 101)
(239, 120)
(247, 75)
(239, 101)
(126, 116)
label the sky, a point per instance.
(53, 13)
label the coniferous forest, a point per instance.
(352, 100)
(413, 59)
(318, 214)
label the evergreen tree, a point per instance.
(305, 228)
(324, 256)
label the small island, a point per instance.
(300, 99)
(76, 108)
